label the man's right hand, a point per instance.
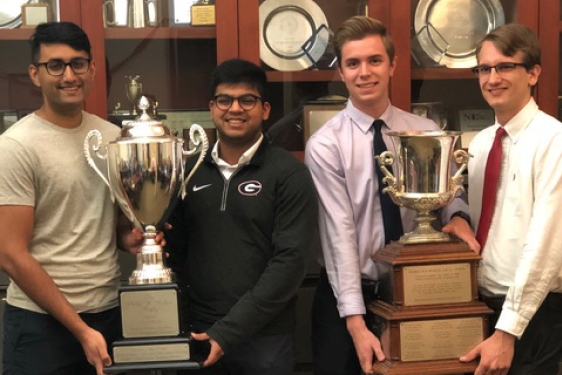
(365, 342)
(95, 348)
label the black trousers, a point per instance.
(332, 346)
(539, 351)
(259, 355)
(37, 344)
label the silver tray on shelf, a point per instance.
(285, 26)
(10, 13)
(448, 30)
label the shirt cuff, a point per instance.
(461, 214)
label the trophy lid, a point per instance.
(144, 124)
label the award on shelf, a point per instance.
(145, 172)
(203, 13)
(428, 314)
(134, 91)
(34, 13)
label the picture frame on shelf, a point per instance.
(34, 13)
(315, 115)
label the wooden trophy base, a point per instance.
(429, 314)
(151, 329)
(442, 367)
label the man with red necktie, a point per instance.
(515, 191)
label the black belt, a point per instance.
(553, 301)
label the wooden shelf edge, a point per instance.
(161, 33)
(16, 34)
(303, 76)
(442, 73)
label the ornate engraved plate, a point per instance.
(285, 25)
(448, 30)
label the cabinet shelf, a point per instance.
(303, 76)
(16, 34)
(442, 73)
(161, 33)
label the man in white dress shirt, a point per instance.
(340, 157)
(520, 275)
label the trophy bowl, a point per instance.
(146, 174)
(423, 182)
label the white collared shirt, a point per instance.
(228, 169)
(522, 258)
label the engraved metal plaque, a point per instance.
(150, 313)
(439, 339)
(203, 14)
(151, 353)
(437, 284)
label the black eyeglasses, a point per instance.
(501, 68)
(246, 101)
(56, 67)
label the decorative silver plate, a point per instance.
(285, 26)
(10, 13)
(448, 30)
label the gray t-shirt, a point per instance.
(44, 166)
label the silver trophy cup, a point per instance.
(423, 180)
(146, 174)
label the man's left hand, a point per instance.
(496, 354)
(216, 351)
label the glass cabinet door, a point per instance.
(161, 56)
(442, 42)
(292, 41)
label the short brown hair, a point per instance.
(512, 38)
(359, 27)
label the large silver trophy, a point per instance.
(146, 175)
(423, 181)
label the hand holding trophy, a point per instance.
(146, 175)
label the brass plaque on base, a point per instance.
(435, 284)
(427, 274)
(428, 340)
(150, 310)
(141, 350)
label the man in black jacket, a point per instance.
(242, 235)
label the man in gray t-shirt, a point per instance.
(57, 222)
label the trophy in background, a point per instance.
(134, 91)
(428, 314)
(146, 174)
(203, 13)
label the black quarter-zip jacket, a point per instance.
(242, 244)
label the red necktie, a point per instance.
(493, 167)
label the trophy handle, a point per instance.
(198, 138)
(101, 155)
(461, 157)
(384, 159)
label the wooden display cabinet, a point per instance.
(456, 89)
